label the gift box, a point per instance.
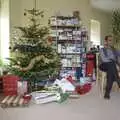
(83, 89)
(22, 87)
(10, 85)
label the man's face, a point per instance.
(109, 41)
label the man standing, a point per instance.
(108, 57)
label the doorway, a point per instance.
(95, 33)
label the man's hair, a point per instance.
(106, 37)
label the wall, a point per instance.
(104, 19)
(65, 7)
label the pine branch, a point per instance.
(35, 12)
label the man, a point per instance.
(108, 57)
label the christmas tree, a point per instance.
(31, 47)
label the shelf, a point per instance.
(70, 53)
(69, 41)
(68, 33)
(65, 17)
(54, 38)
(65, 26)
(71, 67)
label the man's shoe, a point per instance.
(118, 82)
(106, 97)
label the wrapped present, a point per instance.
(65, 85)
(22, 87)
(42, 97)
(83, 89)
(10, 85)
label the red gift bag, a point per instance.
(90, 64)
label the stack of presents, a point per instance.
(16, 91)
(16, 94)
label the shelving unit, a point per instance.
(69, 38)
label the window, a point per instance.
(4, 29)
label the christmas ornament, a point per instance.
(50, 39)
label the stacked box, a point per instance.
(10, 85)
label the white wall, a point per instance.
(65, 7)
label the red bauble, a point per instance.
(50, 39)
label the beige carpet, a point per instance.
(88, 107)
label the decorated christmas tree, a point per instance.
(32, 51)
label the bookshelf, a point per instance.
(69, 37)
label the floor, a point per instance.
(88, 107)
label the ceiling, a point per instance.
(106, 5)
